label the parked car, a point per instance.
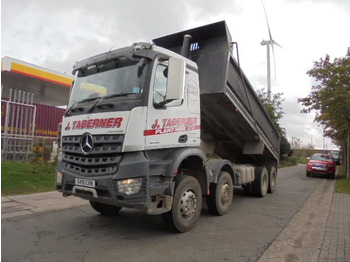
(336, 157)
(321, 164)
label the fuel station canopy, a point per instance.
(48, 86)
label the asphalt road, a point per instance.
(81, 234)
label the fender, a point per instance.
(179, 155)
(215, 166)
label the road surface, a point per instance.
(81, 234)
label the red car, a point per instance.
(321, 164)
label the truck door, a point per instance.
(171, 124)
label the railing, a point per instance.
(18, 116)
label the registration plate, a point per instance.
(85, 182)
(320, 167)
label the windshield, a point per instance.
(113, 78)
(322, 157)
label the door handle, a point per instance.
(183, 139)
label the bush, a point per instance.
(293, 160)
(288, 161)
(303, 160)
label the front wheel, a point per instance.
(105, 209)
(187, 205)
(221, 195)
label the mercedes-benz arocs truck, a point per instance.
(163, 126)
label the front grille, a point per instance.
(102, 160)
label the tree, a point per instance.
(284, 147)
(330, 99)
(274, 109)
(295, 143)
(309, 146)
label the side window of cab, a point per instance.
(160, 85)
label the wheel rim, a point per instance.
(225, 194)
(188, 204)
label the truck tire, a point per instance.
(261, 182)
(187, 205)
(272, 179)
(221, 195)
(104, 209)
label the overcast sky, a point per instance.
(57, 33)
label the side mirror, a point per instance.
(176, 79)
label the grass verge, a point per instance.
(18, 178)
(342, 184)
(288, 161)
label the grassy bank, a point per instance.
(26, 178)
(288, 161)
(342, 184)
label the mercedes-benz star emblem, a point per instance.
(86, 143)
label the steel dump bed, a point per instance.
(232, 116)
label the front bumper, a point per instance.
(132, 165)
(135, 165)
(328, 172)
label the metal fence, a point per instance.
(18, 117)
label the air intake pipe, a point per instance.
(186, 45)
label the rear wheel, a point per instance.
(105, 209)
(221, 195)
(261, 182)
(272, 180)
(187, 205)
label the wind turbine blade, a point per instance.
(274, 43)
(267, 20)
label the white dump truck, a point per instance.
(163, 126)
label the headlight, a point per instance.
(59, 178)
(129, 186)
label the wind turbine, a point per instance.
(269, 43)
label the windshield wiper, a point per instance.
(80, 101)
(121, 94)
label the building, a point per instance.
(31, 106)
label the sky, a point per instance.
(57, 33)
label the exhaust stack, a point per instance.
(186, 44)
